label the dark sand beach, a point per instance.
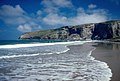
(109, 53)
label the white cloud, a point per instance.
(16, 16)
(52, 6)
(7, 10)
(83, 16)
(57, 18)
(62, 3)
(54, 19)
(24, 28)
(92, 6)
(51, 15)
(16, 20)
(13, 15)
(49, 6)
(88, 16)
(57, 3)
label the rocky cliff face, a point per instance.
(107, 30)
(94, 31)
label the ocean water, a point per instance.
(53, 61)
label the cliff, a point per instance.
(94, 31)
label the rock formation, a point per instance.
(94, 31)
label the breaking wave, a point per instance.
(52, 62)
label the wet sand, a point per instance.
(109, 53)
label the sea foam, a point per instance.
(41, 44)
(14, 56)
(70, 66)
(73, 69)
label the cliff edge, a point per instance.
(95, 31)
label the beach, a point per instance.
(71, 61)
(109, 53)
(93, 47)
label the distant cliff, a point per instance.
(94, 31)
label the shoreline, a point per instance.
(99, 51)
(89, 45)
(42, 44)
(109, 53)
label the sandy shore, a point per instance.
(68, 66)
(109, 53)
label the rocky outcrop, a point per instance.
(102, 31)
(107, 30)
(94, 31)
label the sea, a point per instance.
(50, 60)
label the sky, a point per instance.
(20, 16)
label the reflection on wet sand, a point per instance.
(110, 46)
(109, 53)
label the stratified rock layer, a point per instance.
(94, 31)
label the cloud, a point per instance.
(13, 15)
(51, 15)
(54, 19)
(7, 10)
(39, 12)
(49, 6)
(28, 27)
(52, 6)
(57, 3)
(92, 6)
(25, 28)
(83, 16)
(16, 16)
(88, 16)
(62, 3)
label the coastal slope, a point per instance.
(95, 31)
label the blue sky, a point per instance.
(20, 16)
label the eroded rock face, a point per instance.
(102, 31)
(106, 30)
(116, 29)
(94, 31)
